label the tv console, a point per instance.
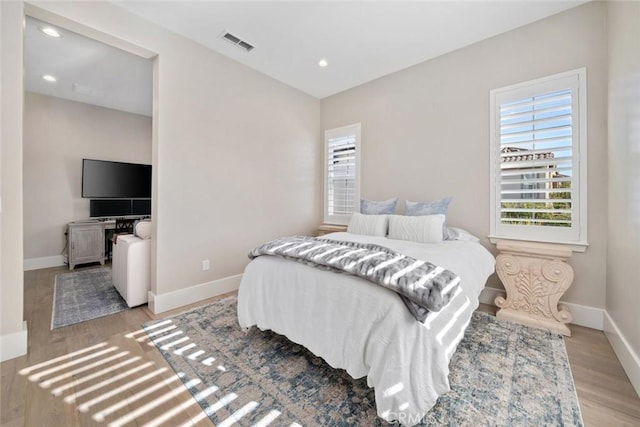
(86, 243)
(90, 241)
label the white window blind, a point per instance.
(342, 177)
(537, 160)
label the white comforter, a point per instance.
(366, 329)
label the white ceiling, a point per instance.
(86, 70)
(361, 40)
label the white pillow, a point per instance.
(368, 225)
(423, 229)
(142, 229)
(453, 233)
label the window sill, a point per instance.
(574, 246)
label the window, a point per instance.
(538, 160)
(341, 173)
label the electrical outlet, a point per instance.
(205, 264)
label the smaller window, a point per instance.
(341, 173)
(538, 160)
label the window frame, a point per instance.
(352, 129)
(576, 238)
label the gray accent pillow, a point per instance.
(427, 208)
(437, 207)
(372, 207)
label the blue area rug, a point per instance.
(502, 374)
(84, 295)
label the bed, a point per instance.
(366, 329)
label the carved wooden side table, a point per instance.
(535, 276)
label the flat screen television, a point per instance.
(103, 179)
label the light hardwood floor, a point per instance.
(103, 372)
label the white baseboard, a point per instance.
(583, 315)
(589, 317)
(44, 262)
(170, 300)
(627, 356)
(14, 345)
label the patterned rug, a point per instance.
(84, 295)
(502, 374)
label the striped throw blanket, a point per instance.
(422, 286)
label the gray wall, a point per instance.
(425, 129)
(236, 154)
(623, 254)
(11, 274)
(58, 134)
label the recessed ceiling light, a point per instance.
(50, 31)
(49, 78)
(323, 63)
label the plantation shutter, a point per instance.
(341, 185)
(537, 160)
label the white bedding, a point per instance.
(366, 329)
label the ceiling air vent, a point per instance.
(236, 41)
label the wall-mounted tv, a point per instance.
(115, 180)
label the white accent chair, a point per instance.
(131, 266)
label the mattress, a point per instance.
(366, 329)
